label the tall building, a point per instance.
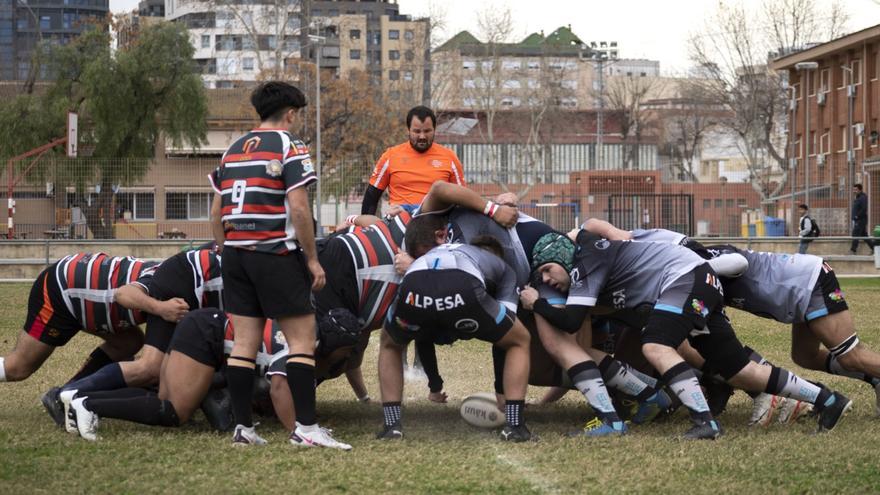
(24, 23)
(129, 25)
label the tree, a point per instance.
(626, 95)
(685, 127)
(732, 52)
(127, 99)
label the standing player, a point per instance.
(447, 295)
(687, 300)
(262, 219)
(78, 293)
(408, 170)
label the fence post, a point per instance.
(47, 253)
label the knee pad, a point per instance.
(217, 408)
(168, 415)
(665, 328)
(844, 347)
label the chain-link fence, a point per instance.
(170, 197)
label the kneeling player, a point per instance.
(443, 297)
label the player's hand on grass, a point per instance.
(438, 397)
(402, 260)
(528, 296)
(508, 199)
(173, 310)
(506, 216)
(318, 277)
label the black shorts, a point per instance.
(444, 306)
(266, 285)
(341, 289)
(48, 319)
(684, 306)
(199, 335)
(173, 278)
(827, 298)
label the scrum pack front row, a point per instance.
(459, 268)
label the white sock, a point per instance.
(307, 428)
(2, 370)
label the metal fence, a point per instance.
(170, 197)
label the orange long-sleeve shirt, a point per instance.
(408, 174)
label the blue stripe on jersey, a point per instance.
(668, 308)
(501, 312)
(817, 314)
(556, 300)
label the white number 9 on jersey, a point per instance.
(238, 189)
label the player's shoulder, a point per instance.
(442, 150)
(397, 150)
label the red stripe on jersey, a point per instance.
(247, 157)
(229, 333)
(227, 210)
(205, 262)
(405, 217)
(255, 235)
(71, 269)
(254, 182)
(390, 293)
(368, 247)
(383, 229)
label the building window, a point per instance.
(45, 22)
(511, 64)
(68, 20)
(333, 13)
(469, 102)
(247, 64)
(409, 35)
(188, 206)
(393, 75)
(468, 65)
(354, 54)
(224, 19)
(394, 95)
(293, 21)
(374, 37)
(718, 203)
(825, 142)
(509, 101)
(707, 203)
(137, 206)
(354, 34)
(856, 66)
(393, 55)
(534, 65)
(570, 84)
(511, 84)
(729, 203)
(857, 131)
(408, 75)
(844, 139)
(824, 82)
(468, 83)
(533, 84)
(206, 41)
(393, 34)
(409, 55)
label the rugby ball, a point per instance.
(481, 410)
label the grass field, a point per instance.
(441, 453)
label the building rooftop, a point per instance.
(561, 42)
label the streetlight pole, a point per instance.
(319, 44)
(850, 148)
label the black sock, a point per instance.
(146, 409)
(109, 377)
(119, 393)
(240, 381)
(96, 360)
(301, 380)
(391, 412)
(514, 412)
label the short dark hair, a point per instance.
(859, 187)
(420, 232)
(422, 112)
(803, 206)
(271, 99)
(489, 243)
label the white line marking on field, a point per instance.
(526, 472)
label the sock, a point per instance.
(145, 409)
(107, 378)
(754, 356)
(514, 412)
(2, 370)
(301, 380)
(617, 376)
(498, 357)
(119, 393)
(391, 412)
(786, 384)
(588, 381)
(96, 360)
(648, 379)
(832, 365)
(683, 381)
(240, 382)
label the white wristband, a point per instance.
(490, 209)
(350, 219)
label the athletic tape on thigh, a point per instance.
(294, 356)
(847, 345)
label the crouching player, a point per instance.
(447, 295)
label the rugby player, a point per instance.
(444, 297)
(687, 301)
(261, 219)
(78, 293)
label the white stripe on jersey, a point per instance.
(252, 163)
(296, 157)
(382, 273)
(580, 301)
(382, 172)
(256, 189)
(255, 216)
(310, 178)
(455, 173)
(92, 295)
(113, 265)
(60, 271)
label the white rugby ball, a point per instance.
(481, 410)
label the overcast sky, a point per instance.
(654, 29)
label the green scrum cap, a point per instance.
(553, 248)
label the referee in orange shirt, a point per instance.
(408, 170)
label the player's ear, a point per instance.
(440, 236)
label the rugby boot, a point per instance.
(516, 434)
(53, 405)
(597, 427)
(391, 432)
(833, 411)
(246, 435)
(316, 436)
(651, 407)
(704, 430)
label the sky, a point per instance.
(652, 29)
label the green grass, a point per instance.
(441, 453)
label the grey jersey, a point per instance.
(776, 286)
(658, 235)
(491, 270)
(625, 274)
